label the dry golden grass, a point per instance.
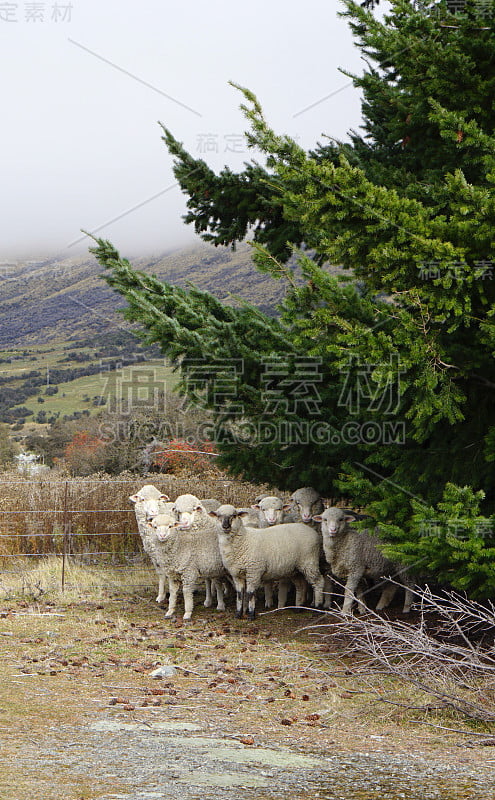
(95, 512)
(81, 582)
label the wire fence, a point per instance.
(91, 520)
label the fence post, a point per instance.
(66, 531)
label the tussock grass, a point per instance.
(90, 583)
(94, 512)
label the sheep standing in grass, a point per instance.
(185, 555)
(253, 555)
(307, 502)
(354, 555)
(273, 510)
(148, 502)
(192, 514)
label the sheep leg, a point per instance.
(315, 578)
(187, 593)
(239, 597)
(251, 600)
(350, 588)
(174, 586)
(283, 590)
(386, 597)
(219, 592)
(209, 597)
(252, 584)
(301, 586)
(162, 590)
(268, 587)
(409, 595)
(327, 592)
(361, 605)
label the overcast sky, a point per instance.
(84, 84)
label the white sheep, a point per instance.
(149, 502)
(273, 510)
(192, 514)
(185, 555)
(253, 555)
(354, 555)
(307, 502)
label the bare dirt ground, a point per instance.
(253, 710)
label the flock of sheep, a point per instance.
(270, 544)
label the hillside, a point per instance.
(66, 299)
(61, 333)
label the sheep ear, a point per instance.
(164, 497)
(242, 514)
(286, 506)
(134, 498)
(317, 518)
(255, 506)
(350, 518)
(212, 514)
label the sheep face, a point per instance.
(163, 525)
(272, 509)
(185, 509)
(228, 519)
(308, 503)
(148, 491)
(146, 501)
(333, 522)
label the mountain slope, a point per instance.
(66, 299)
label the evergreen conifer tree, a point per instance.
(389, 366)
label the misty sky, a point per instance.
(84, 84)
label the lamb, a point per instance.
(272, 510)
(189, 511)
(252, 555)
(191, 514)
(308, 503)
(354, 555)
(185, 555)
(149, 501)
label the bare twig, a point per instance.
(444, 662)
